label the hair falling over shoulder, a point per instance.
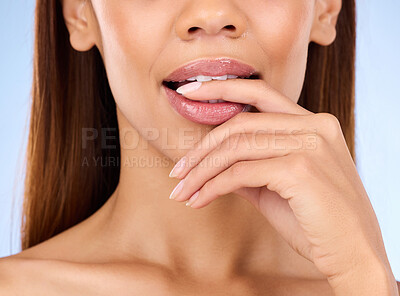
(70, 92)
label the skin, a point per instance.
(256, 226)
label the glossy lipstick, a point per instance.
(200, 111)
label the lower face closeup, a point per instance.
(150, 48)
(214, 111)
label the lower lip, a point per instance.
(204, 113)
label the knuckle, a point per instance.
(237, 169)
(329, 125)
(196, 174)
(322, 145)
(207, 187)
(231, 143)
(211, 189)
(263, 87)
(301, 164)
(240, 143)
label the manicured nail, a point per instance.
(176, 190)
(178, 168)
(193, 198)
(188, 87)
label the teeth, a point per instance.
(214, 101)
(225, 77)
(203, 78)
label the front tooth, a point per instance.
(202, 78)
(220, 101)
(213, 101)
(224, 77)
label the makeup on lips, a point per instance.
(211, 112)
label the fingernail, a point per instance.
(188, 87)
(193, 198)
(178, 168)
(176, 190)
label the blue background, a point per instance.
(377, 114)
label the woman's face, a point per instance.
(143, 41)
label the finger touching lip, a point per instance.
(255, 92)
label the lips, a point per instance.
(202, 111)
(211, 67)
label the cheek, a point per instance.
(282, 29)
(131, 41)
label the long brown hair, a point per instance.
(70, 92)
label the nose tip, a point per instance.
(209, 21)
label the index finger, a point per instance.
(255, 92)
(272, 123)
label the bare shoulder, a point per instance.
(15, 272)
(398, 286)
(27, 272)
(20, 275)
(30, 276)
(6, 270)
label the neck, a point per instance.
(227, 236)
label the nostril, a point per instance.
(193, 29)
(230, 27)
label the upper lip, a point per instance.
(212, 67)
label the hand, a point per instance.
(294, 166)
